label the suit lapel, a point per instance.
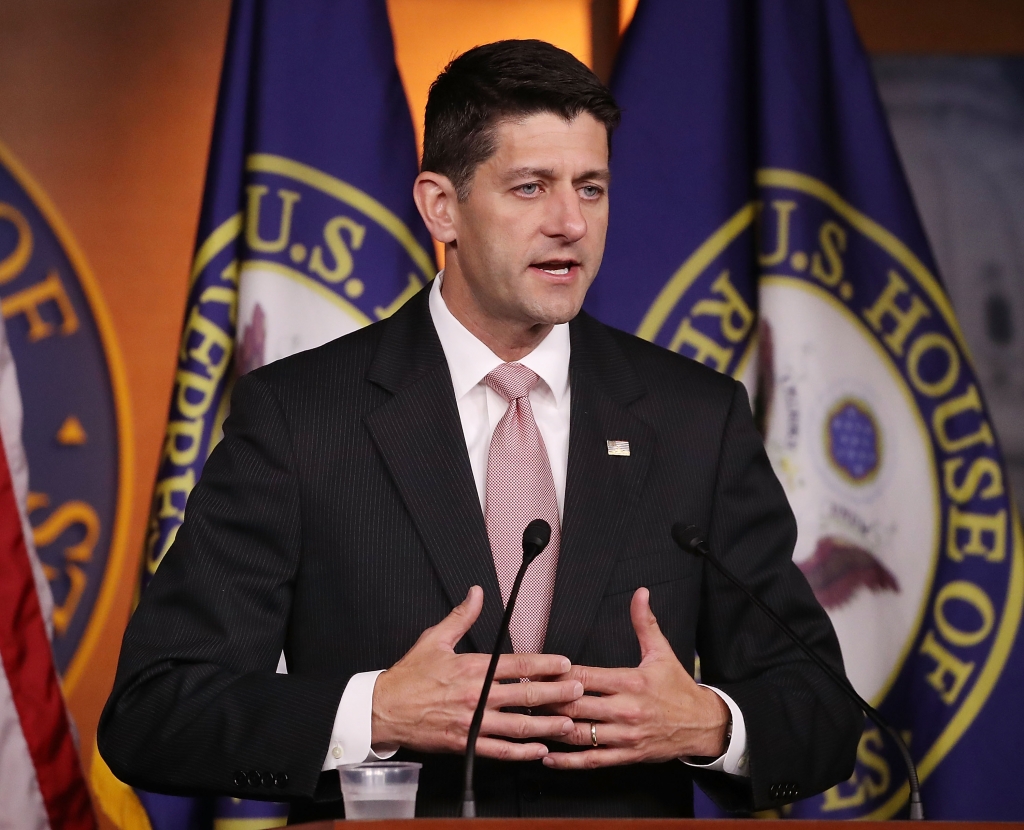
(419, 435)
(602, 491)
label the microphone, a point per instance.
(535, 539)
(690, 539)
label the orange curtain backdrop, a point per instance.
(429, 33)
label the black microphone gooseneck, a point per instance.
(690, 539)
(535, 539)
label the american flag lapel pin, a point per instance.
(618, 447)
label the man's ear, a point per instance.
(438, 204)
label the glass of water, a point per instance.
(380, 789)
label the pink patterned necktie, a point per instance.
(520, 489)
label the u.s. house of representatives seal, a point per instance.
(874, 422)
(77, 427)
(309, 258)
(299, 290)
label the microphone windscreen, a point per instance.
(688, 537)
(536, 538)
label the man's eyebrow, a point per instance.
(530, 173)
(600, 174)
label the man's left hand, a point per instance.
(655, 712)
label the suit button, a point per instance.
(281, 780)
(267, 779)
(530, 790)
(240, 779)
(253, 777)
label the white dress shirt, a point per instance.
(480, 409)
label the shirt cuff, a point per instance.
(734, 760)
(350, 737)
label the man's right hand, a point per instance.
(426, 700)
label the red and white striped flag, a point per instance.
(41, 782)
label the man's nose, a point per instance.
(565, 216)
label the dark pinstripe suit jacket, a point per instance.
(338, 519)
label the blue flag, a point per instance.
(761, 224)
(308, 231)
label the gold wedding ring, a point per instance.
(593, 734)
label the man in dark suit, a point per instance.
(363, 509)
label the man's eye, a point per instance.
(590, 191)
(529, 189)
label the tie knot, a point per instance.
(512, 380)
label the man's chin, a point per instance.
(549, 317)
(557, 309)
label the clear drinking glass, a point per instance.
(380, 789)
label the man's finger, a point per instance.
(591, 758)
(530, 695)
(531, 665)
(507, 751)
(508, 725)
(453, 628)
(612, 735)
(652, 641)
(604, 681)
(593, 707)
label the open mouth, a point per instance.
(557, 267)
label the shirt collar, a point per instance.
(550, 359)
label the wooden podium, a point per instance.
(643, 824)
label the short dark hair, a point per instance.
(507, 79)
